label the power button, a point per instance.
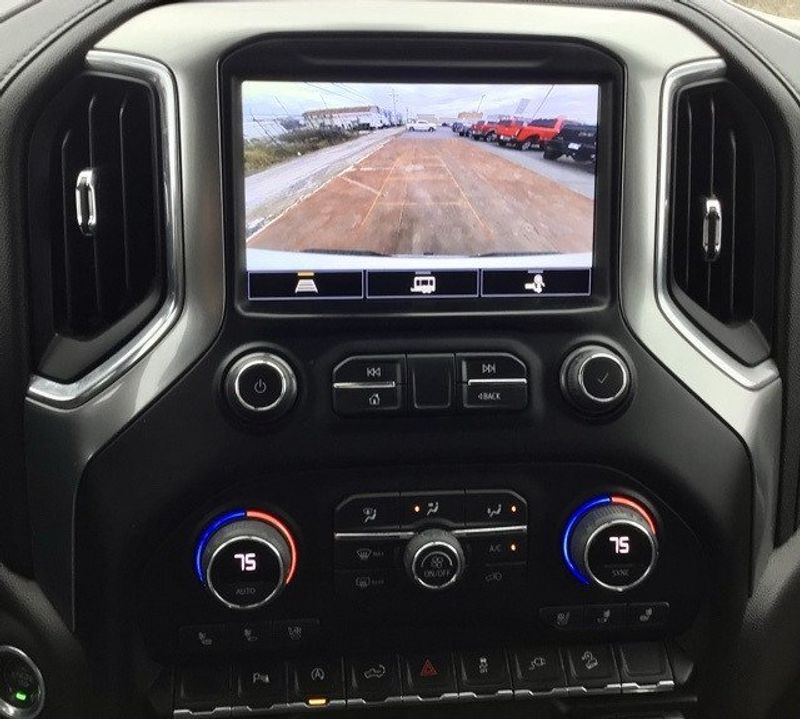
(261, 386)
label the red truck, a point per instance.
(486, 130)
(535, 133)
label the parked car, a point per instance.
(534, 133)
(421, 126)
(575, 140)
(457, 127)
(507, 130)
(486, 131)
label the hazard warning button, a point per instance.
(430, 676)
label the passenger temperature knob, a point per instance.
(611, 542)
(434, 559)
(246, 562)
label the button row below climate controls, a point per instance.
(439, 676)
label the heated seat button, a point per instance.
(563, 617)
(368, 512)
(538, 669)
(430, 675)
(373, 678)
(204, 687)
(495, 508)
(592, 667)
(605, 616)
(260, 684)
(371, 369)
(445, 508)
(648, 615)
(497, 396)
(432, 379)
(252, 636)
(317, 681)
(483, 672)
(203, 639)
(490, 366)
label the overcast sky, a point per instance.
(270, 99)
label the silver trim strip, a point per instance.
(665, 685)
(73, 394)
(365, 385)
(748, 377)
(511, 380)
(408, 534)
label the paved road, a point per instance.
(439, 194)
(271, 191)
(565, 171)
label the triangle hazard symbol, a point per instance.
(428, 670)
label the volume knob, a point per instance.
(595, 380)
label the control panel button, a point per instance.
(368, 512)
(373, 678)
(366, 585)
(365, 554)
(490, 366)
(499, 579)
(371, 370)
(260, 685)
(595, 379)
(562, 617)
(496, 396)
(367, 399)
(646, 615)
(592, 667)
(432, 379)
(499, 549)
(297, 632)
(250, 637)
(430, 675)
(317, 681)
(538, 669)
(644, 665)
(605, 616)
(445, 508)
(261, 386)
(434, 559)
(483, 672)
(495, 508)
(203, 687)
(203, 639)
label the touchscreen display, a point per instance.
(371, 191)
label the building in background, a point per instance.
(362, 117)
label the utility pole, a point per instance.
(480, 103)
(394, 104)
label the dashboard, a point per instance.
(408, 357)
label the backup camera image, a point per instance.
(418, 177)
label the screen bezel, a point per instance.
(378, 57)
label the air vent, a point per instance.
(722, 220)
(97, 224)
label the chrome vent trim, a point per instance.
(751, 378)
(74, 394)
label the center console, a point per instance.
(423, 452)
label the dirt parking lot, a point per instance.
(435, 193)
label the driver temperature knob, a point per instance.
(246, 559)
(434, 559)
